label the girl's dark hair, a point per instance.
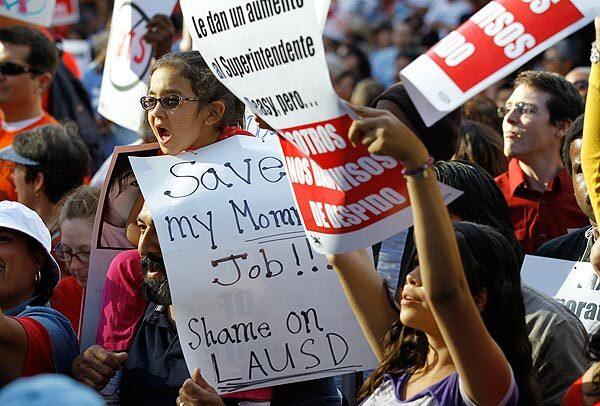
(489, 262)
(481, 144)
(205, 84)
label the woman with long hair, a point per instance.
(460, 335)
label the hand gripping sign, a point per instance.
(255, 306)
(37, 12)
(270, 55)
(494, 42)
(128, 60)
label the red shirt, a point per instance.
(67, 299)
(38, 359)
(574, 395)
(539, 217)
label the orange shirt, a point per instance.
(67, 299)
(7, 189)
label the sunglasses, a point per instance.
(168, 102)
(521, 108)
(13, 69)
(581, 84)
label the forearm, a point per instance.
(590, 149)
(440, 265)
(366, 294)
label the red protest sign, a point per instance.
(496, 35)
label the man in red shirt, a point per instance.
(538, 189)
(28, 61)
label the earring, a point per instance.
(38, 276)
(205, 122)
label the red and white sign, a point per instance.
(494, 42)
(272, 58)
(66, 12)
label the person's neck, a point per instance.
(540, 170)
(47, 211)
(438, 356)
(14, 114)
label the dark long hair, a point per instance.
(489, 262)
(205, 85)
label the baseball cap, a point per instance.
(9, 154)
(18, 217)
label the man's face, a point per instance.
(17, 90)
(579, 186)
(579, 78)
(526, 126)
(155, 285)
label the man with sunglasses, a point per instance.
(538, 189)
(28, 61)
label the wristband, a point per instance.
(420, 169)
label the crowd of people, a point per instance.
(442, 305)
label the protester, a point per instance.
(76, 221)
(539, 192)
(579, 78)
(560, 58)
(482, 145)
(465, 337)
(154, 370)
(27, 64)
(576, 245)
(34, 338)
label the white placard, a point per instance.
(575, 284)
(128, 60)
(66, 12)
(37, 12)
(254, 305)
(81, 51)
(493, 43)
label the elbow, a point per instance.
(441, 296)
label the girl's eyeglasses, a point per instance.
(168, 102)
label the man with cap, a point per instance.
(34, 338)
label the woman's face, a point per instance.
(414, 309)
(17, 269)
(76, 239)
(181, 128)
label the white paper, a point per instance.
(37, 12)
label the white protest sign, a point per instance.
(128, 60)
(254, 305)
(66, 12)
(574, 284)
(81, 51)
(37, 12)
(270, 55)
(493, 43)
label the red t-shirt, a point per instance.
(67, 299)
(540, 217)
(574, 395)
(7, 189)
(38, 359)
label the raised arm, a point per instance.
(484, 370)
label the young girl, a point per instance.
(460, 335)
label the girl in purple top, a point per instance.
(460, 337)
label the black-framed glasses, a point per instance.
(168, 102)
(521, 108)
(67, 256)
(13, 69)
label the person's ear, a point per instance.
(44, 80)
(39, 182)
(481, 299)
(562, 127)
(215, 112)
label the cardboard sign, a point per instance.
(255, 306)
(109, 235)
(66, 12)
(37, 12)
(348, 198)
(81, 51)
(493, 43)
(574, 284)
(128, 60)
